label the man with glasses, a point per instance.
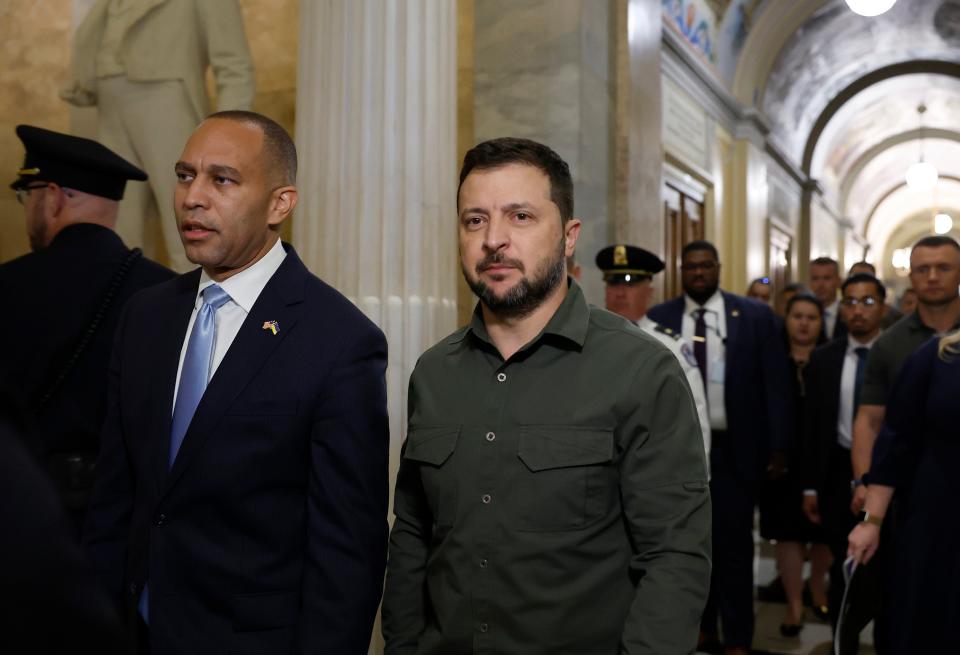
(935, 276)
(741, 356)
(62, 302)
(833, 380)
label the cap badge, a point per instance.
(620, 256)
(273, 326)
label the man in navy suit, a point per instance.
(242, 499)
(833, 379)
(743, 361)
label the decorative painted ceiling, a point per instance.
(834, 109)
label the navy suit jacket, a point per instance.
(269, 533)
(822, 377)
(757, 390)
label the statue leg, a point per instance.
(112, 133)
(158, 118)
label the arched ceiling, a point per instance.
(834, 48)
(841, 97)
(903, 204)
(886, 172)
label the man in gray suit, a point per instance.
(143, 63)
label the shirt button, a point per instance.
(133, 588)
(483, 627)
(161, 519)
(483, 564)
(491, 436)
(486, 499)
(501, 377)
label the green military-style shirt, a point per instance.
(556, 502)
(888, 355)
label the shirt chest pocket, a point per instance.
(568, 481)
(431, 450)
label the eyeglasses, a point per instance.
(702, 266)
(866, 301)
(24, 192)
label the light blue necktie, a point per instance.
(196, 365)
(193, 381)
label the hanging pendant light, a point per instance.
(942, 223)
(922, 175)
(870, 8)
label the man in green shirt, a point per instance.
(552, 493)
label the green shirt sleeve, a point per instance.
(876, 383)
(666, 503)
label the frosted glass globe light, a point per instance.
(942, 223)
(870, 7)
(921, 176)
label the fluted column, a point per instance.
(376, 111)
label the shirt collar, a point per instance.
(245, 287)
(714, 304)
(570, 321)
(853, 344)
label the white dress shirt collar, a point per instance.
(714, 304)
(245, 287)
(853, 343)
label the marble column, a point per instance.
(638, 216)
(375, 127)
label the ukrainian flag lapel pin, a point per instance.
(273, 326)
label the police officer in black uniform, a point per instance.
(61, 303)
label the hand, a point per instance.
(777, 466)
(812, 509)
(863, 542)
(859, 498)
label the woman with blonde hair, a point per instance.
(916, 455)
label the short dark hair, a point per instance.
(700, 244)
(804, 296)
(858, 278)
(795, 287)
(864, 263)
(826, 261)
(936, 241)
(277, 144)
(496, 153)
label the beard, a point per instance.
(527, 294)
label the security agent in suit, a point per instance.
(832, 380)
(740, 353)
(627, 274)
(242, 498)
(825, 281)
(143, 63)
(62, 302)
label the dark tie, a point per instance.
(858, 381)
(700, 343)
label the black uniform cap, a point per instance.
(623, 263)
(73, 162)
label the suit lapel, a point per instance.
(164, 351)
(838, 352)
(279, 301)
(734, 317)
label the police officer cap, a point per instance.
(73, 162)
(622, 263)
